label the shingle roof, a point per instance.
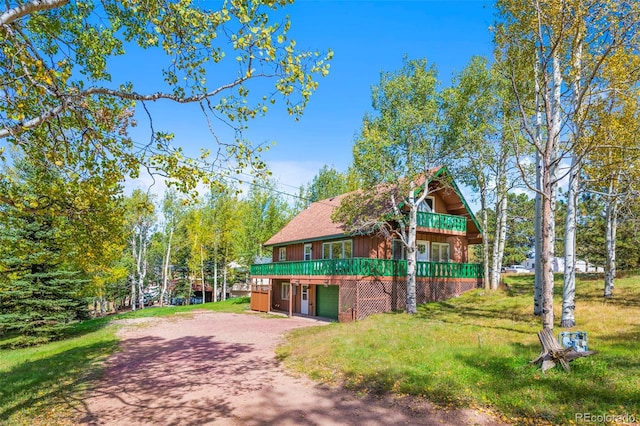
(315, 222)
(312, 223)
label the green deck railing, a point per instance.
(367, 267)
(442, 221)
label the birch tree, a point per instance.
(398, 147)
(197, 229)
(478, 128)
(60, 103)
(140, 219)
(262, 213)
(170, 211)
(537, 39)
(612, 168)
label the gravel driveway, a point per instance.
(218, 368)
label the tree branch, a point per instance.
(29, 124)
(133, 96)
(23, 10)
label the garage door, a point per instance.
(327, 301)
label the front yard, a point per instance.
(474, 351)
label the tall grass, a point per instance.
(42, 385)
(475, 351)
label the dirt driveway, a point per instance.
(217, 368)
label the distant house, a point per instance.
(557, 264)
(318, 269)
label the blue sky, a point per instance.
(367, 37)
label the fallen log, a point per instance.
(553, 354)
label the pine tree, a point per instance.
(40, 296)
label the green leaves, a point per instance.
(402, 139)
(58, 101)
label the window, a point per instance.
(440, 252)
(422, 248)
(427, 205)
(337, 250)
(307, 252)
(398, 251)
(282, 253)
(284, 291)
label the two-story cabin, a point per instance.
(317, 269)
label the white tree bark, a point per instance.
(224, 274)
(537, 287)
(204, 285)
(501, 232)
(488, 276)
(132, 280)
(141, 267)
(165, 269)
(569, 286)
(22, 10)
(214, 297)
(611, 217)
(411, 303)
(549, 185)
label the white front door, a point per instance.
(304, 300)
(423, 251)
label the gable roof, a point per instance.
(314, 222)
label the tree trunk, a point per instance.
(132, 276)
(411, 306)
(488, 276)
(610, 244)
(165, 270)
(224, 273)
(142, 272)
(569, 287)
(214, 296)
(132, 279)
(204, 285)
(141, 268)
(547, 245)
(503, 229)
(549, 186)
(537, 286)
(500, 234)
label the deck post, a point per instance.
(290, 299)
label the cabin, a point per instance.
(318, 269)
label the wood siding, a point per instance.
(378, 248)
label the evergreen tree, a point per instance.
(40, 296)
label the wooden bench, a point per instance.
(552, 353)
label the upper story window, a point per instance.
(337, 250)
(427, 205)
(440, 252)
(282, 254)
(307, 252)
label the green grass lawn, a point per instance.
(475, 351)
(41, 385)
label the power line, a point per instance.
(230, 176)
